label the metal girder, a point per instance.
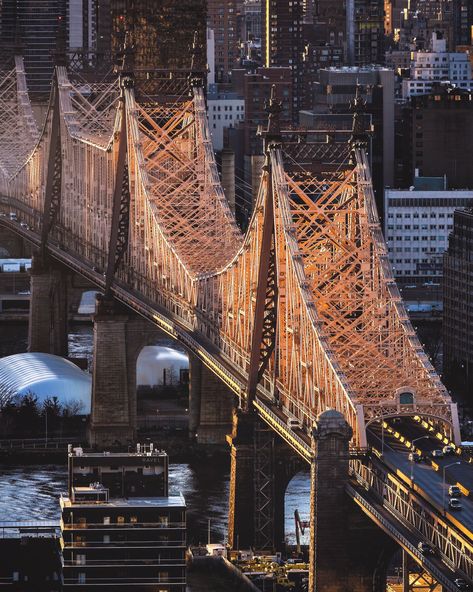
(52, 190)
(264, 487)
(265, 315)
(119, 229)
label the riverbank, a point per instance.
(177, 445)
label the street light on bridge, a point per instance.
(413, 452)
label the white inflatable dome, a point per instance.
(44, 375)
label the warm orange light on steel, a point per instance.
(343, 337)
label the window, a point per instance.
(106, 519)
(120, 519)
(81, 577)
(80, 559)
(133, 519)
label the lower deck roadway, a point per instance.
(426, 478)
(402, 534)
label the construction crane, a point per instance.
(301, 526)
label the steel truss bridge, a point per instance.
(299, 315)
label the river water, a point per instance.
(31, 492)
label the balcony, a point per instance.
(121, 526)
(156, 561)
(122, 544)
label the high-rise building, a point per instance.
(33, 28)
(368, 35)
(462, 22)
(222, 18)
(335, 90)
(81, 21)
(417, 224)
(160, 31)
(458, 303)
(283, 42)
(355, 25)
(440, 130)
(119, 526)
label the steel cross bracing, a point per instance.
(454, 546)
(343, 339)
(18, 129)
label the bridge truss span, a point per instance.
(303, 308)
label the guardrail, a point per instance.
(38, 443)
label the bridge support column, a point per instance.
(111, 422)
(258, 480)
(347, 551)
(211, 405)
(47, 331)
(195, 380)
(242, 496)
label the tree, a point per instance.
(28, 414)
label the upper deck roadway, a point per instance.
(128, 195)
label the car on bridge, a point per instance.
(448, 449)
(425, 549)
(462, 584)
(454, 491)
(437, 453)
(454, 504)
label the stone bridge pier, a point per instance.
(119, 337)
(47, 329)
(347, 550)
(55, 297)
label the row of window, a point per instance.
(415, 250)
(424, 214)
(228, 108)
(417, 238)
(416, 226)
(228, 117)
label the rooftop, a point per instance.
(142, 451)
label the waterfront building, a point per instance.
(458, 301)
(30, 557)
(119, 527)
(417, 224)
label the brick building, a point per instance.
(222, 18)
(283, 42)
